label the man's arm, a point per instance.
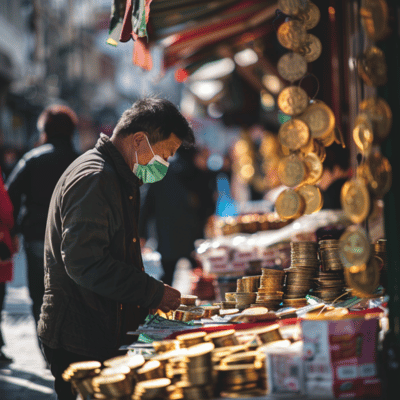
(88, 213)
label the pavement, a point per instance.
(27, 377)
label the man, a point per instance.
(95, 286)
(31, 184)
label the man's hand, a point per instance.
(171, 299)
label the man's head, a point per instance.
(57, 121)
(156, 122)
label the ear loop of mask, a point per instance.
(137, 161)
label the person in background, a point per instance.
(31, 184)
(336, 173)
(96, 289)
(179, 205)
(7, 249)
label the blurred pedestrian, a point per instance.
(96, 289)
(31, 184)
(179, 205)
(336, 173)
(6, 251)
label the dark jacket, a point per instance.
(93, 265)
(34, 178)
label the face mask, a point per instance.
(154, 171)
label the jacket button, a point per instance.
(134, 240)
(130, 197)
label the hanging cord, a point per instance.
(318, 86)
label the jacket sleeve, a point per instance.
(90, 212)
(16, 185)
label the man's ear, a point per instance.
(137, 139)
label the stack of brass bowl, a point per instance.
(188, 300)
(209, 311)
(239, 380)
(199, 366)
(81, 375)
(270, 291)
(300, 275)
(223, 338)
(251, 283)
(329, 255)
(191, 338)
(163, 346)
(230, 296)
(133, 362)
(113, 386)
(195, 392)
(239, 286)
(188, 313)
(221, 352)
(176, 369)
(265, 334)
(228, 305)
(152, 389)
(330, 285)
(152, 369)
(244, 300)
(164, 358)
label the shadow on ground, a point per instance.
(22, 385)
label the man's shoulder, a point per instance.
(38, 152)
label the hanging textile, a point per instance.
(117, 17)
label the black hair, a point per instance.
(57, 121)
(337, 155)
(158, 118)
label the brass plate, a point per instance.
(294, 134)
(289, 204)
(372, 68)
(292, 66)
(355, 200)
(291, 170)
(292, 7)
(380, 114)
(292, 34)
(377, 171)
(293, 100)
(365, 281)
(314, 167)
(319, 118)
(310, 16)
(354, 247)
(362, 133)
(311, 49)
(375, 18)
(312, 197)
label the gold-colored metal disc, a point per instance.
(292, 66)
(354, 247)
(292, 34)
(355, 200)
(310, 16)
(289, 204)
(380, 114)
(319, 118)
(366, 280)
(292, 7)
(329, 139)
(291, 170)
(372, 68)
(311, 49)
(362, 133)
(312, 197)
(314, 167)
(294, 134)
(293, 100)
(377, 171)
(375, 18)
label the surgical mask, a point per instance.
(154, 171)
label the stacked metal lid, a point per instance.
(300, 276)
(270, 291)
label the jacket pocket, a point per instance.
(52, 315)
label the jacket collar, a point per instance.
(105, 146)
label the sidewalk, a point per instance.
(27, 378)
